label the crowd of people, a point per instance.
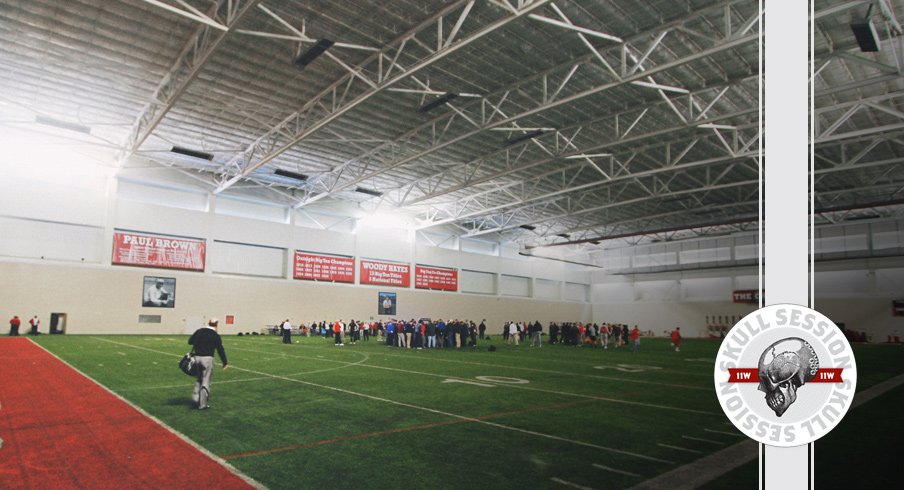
(428, 334)
(416, 334)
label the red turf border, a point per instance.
(62, 430)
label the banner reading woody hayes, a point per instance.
(385, 273)
(158, 251)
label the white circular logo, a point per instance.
(785, 375)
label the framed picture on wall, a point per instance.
(158, 292)
(386, 303)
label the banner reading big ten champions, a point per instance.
(157, 251)
(385, 273)
(316, 267)
(441, 278)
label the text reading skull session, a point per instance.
(785, 375)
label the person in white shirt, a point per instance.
(156, 295)
(286, 332)
(513, 333)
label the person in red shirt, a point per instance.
(676, 339)
(14, 323)
(337, 331)
(635, 339)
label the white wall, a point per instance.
(249, 260)
(857, 293)
(102, 299)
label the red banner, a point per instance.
(315, 267)
(435, 278)
(385, 273)
(746, 296)
(158, 251)
(752, 375)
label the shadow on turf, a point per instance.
(181, 401)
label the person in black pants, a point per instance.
(206, 340)
(482, 328)
(286, 332)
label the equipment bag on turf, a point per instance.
(189, 365)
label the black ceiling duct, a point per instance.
(526, 136)
(865, 32)
(192, 153)
(290, 174)
(433, 104)
(528, 227)
(866, 35)
(371, 192)
(313, 52)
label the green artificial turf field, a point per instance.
(313, 415)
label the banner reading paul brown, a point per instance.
(158, 251)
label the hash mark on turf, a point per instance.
(724, 432)
(703, 440)
(677, 448)
(570, 484)
(613, 470)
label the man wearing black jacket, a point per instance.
(206, 340)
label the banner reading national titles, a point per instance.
(158, 251)
(385, 273)
(430, 277)
(318, 267)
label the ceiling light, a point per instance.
(433, 104)
(588, 155)
(371, 192)
(867, 37)
(517, 139)
(528, 227)
(192, 153)
(866, 34)
(313, 52)
(290, 174)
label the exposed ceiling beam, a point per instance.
(423, 137)
(203, 42)
(303, 128)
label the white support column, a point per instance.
(786, 199)
(109, 219)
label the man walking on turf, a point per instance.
(676, 339)
(206, 340)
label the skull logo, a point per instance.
(784, 367)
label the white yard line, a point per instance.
(690, 438)
(613, 470)
(707, 469)
(677, 448)
(515, 386)
(735, 434)
(247, 479)
(425, 409)
(550, 371)
(569, 484)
